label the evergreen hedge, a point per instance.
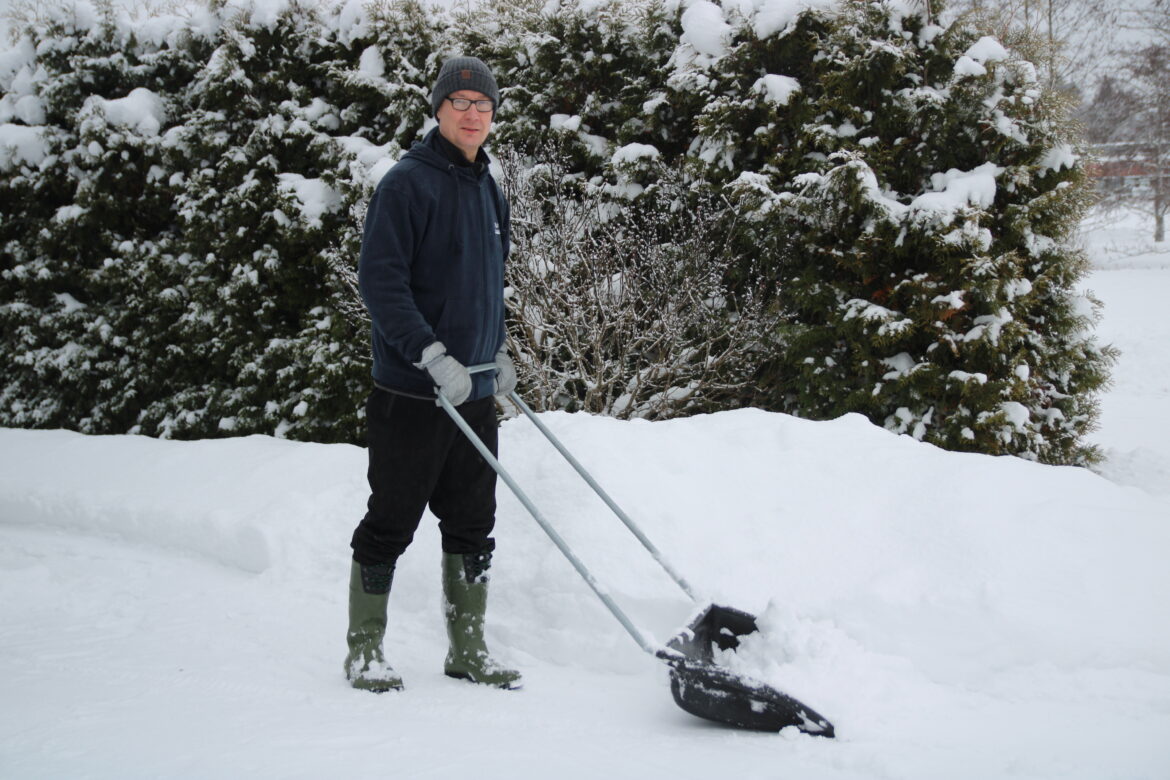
(181, 204)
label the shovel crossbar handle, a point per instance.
(586, 575)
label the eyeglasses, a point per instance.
(462, 104)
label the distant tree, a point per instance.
(1127, 124)
(1111, 116)
(1065, 38)
(1149, 18)
(1149, 131)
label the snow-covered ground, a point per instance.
(1132, 278)
(177, 610)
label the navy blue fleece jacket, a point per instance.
(432, 267)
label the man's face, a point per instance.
(466, 129)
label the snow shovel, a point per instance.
(699, 685)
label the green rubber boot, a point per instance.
(465, 585)
(369, 593)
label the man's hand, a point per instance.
(448, 374)
(505, 373)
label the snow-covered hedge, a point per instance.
(182, 198)
(172, 228)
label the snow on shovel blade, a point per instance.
(709, 691)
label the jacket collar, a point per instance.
(441, 153)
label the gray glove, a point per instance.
(448, 374)
(505, 373)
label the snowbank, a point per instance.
(954, 615)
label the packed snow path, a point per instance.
(178, 609)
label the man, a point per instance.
(431, 274)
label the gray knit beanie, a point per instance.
(463, 73)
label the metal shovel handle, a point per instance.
(514, 397)
(586, 575)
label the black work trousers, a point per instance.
(418, 457)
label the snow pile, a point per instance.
(777, 89)
(774, 16)
(954, 615)
(314, 196)
(21, 145)
(983, 51)
(371, 63)
(956, 190)
(705, 29)
(141, 110)
(633, 153)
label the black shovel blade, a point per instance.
(704, 689)
(716, 694)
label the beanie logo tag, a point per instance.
(465, 74)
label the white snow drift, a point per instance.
(177, 609)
